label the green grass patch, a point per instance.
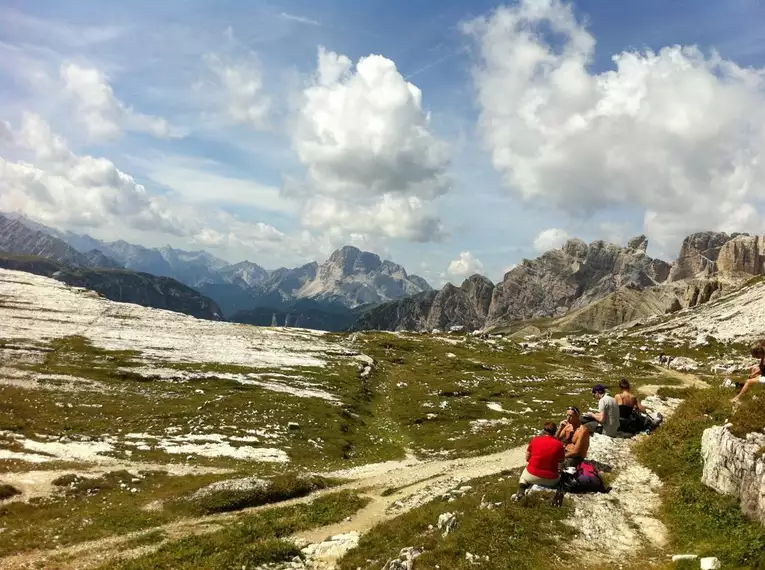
(523, 535)
(699, 519)
(251, 540)
(275, 489)
(152, 537)
(673, 392)
(89, 509)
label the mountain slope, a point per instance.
(572, 277)
(121, 285)
(18, 239)
(451, 306)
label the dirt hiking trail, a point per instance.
(405, 484)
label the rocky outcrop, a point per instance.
(735, 466)
(122, 285)
(571, 277)
(465, 306)
(698, 255)
(479, 290)
(742, 257)
(453, 307)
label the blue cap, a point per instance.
(597, 388)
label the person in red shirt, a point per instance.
(543, 458)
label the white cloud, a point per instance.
(82, 192)
(373, 166)
(241, 85)
(98, 109)
(677, 133)
(465, 265)
(300, 19)
(551, 238)
(201, 180)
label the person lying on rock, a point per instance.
(607, 414)
(544, 455)
(574, 436)
(757, 372)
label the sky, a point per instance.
(450, 137)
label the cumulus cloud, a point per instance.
(551, 238)
(465, 265)
(98, 109)
(241, 84)
(373, 166)
(83, 192)
(677, 132)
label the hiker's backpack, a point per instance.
(585, 480)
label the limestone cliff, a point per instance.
(572, 277)
(735, 466)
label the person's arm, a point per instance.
(601, 415)
(639, 405)
(559, 431)
(528, 453)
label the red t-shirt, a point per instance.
(546, 453)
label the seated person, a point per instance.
(630, 420)
(574, 436)
(543, 458)
(757, 372)
(607, 414)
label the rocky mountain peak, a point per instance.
(349, 260)
(638, 243)
(478, 290)
(698, 255)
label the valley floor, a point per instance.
(137, 438)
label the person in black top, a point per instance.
(757, 375)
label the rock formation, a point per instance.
(735, 466)
(572, 277)
(465, 306)
(352, 277)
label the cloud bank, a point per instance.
(678, 133)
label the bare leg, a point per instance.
(748, 384)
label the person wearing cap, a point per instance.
(574, 436)
(543, 458)
(607, 414)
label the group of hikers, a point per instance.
(564, 446)
(557, 456)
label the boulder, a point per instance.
(735, 466)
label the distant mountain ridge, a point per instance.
(349, 278)
(593, 286)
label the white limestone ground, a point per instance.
(739, 316)
(298, 385)
(57, 310)
(36, 310)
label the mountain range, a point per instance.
(348, 280)
(592, 286)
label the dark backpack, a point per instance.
(586, 480)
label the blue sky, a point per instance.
(238, 168)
